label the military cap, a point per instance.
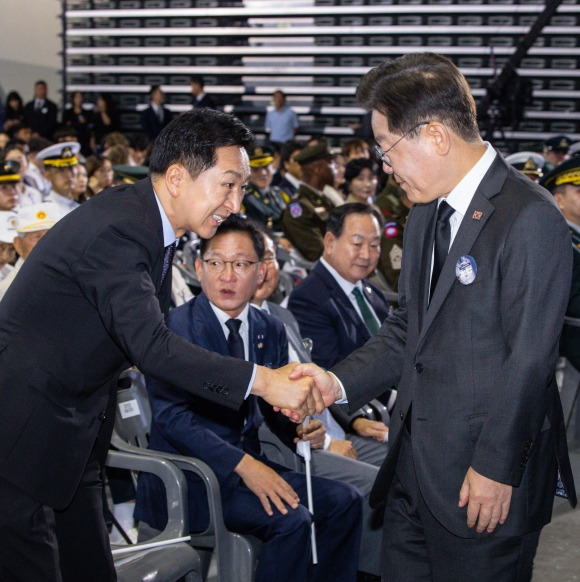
(60, 155)
(260, 156)
(574, 149)
(567, 172)
(9, 172)
(558, 143)
(37, 217)
(7, 226)
(313, 153)
(529, 163)
(130, 174)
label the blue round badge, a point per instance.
(466, 270)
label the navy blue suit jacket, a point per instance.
(327, 316)
(150, 123)
(195, 428)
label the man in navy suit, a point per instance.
(155, 117)
(337, 307)
(258, 496)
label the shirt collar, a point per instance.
(460, 197)
(345, 285)
(168, 232)
(223, 316)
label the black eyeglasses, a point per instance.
(240, 267)
(383, 155)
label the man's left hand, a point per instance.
(488, 501)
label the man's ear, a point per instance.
(262, 272)
(174, 178)
(440, 137)
(198, 268)
(329, 240)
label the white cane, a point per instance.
(303, 449)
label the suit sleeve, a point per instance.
(180, 427)
(114, 275)
(535, 281)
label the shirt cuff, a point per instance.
(255, 371)
(343, 399)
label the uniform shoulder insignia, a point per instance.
(295, 209)
(391, 229)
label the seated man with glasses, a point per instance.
(258, 496)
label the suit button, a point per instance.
(206, 385)
(219, 389)
(101, 416)
(226, 391)
(401, 416)
(418, 367)
(213, 387)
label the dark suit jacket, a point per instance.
(477, 363)
(327, 316)
(88, 303)
(205, 101)
(570, 339)
(150, 123)
(44, 121)
(198, 428)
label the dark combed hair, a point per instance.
(337, 216)
(287, 149)
(191, 139)
(237, 223)
(420, 87)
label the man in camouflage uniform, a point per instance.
(304, 220)
(394, 206)
(263, 202)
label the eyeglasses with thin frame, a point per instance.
(239, 266)
(383, 155)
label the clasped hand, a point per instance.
(298, 390)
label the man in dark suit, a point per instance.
(155, 117)
(258, 497)
(477, 435)
(563, 182)
(336, 457)
(41, 113)
(201, 99)
(89, 302)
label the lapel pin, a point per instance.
(260, 345)
(477, 215)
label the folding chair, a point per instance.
(236, 554)
(163, 558)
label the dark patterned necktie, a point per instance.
(167, 260)
(442, 240)
(235, 341)
(369, 319)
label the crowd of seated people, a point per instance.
(335, 213)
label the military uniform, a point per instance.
(264, 206)
(304, 221)
(394, 214)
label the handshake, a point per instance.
(297, 390)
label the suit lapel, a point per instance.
(207, 328)
(345, 306)
(257, 335)
(477, 215)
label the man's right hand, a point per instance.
(326, 383)
(267, 485)
(343, 448)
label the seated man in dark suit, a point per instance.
(335, 457)
(258, 497)
(336, 307)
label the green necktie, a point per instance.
(370, 320)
